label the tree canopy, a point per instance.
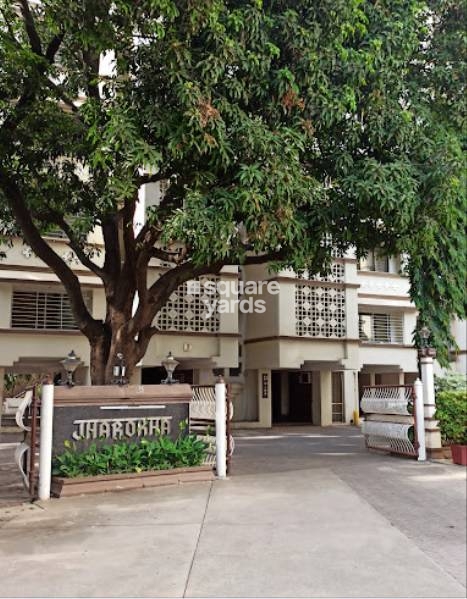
(274, 124)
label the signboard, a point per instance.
(264, 386)
(105, 415)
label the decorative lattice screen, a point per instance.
(188, 309)
(319, 311)
(335, 276)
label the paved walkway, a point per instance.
(306, 513)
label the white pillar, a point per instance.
(351, 399)
(420, 420)
(46, 433)
(326, 397)
(221, 432)
(428, 380)
(432, 432)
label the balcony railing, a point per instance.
(381, 328)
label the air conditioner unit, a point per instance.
(305, 378)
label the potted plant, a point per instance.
(451, 411)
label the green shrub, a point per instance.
(453, 381)
(451, 411)
(160, 454)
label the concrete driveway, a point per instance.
(307, 512)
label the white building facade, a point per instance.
(302, 359)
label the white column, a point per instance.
(326, 397)
(221, 432)
(46, 433)
(420, 420)
(432, 432)
(351, 399)
(428, 380)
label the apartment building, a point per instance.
(301, 358)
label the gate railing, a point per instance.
(27, 452)
(202, 420)
(390, 422)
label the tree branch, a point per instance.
(74, 244)
(164, 255)
(62, 95)
(30, 27)
(262, 258)
(10, 29)
(54, 46)
(112, 261)
(154, 178)
(159, 293)
(92, 73)
(86, 323)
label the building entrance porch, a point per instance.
(307, 397)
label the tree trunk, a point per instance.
(104, 352)
(99, 352)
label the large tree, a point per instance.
(273, 123)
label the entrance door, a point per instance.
(300, 397)
(291, 397)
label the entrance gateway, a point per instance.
(296, 397)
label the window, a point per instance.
(375, 262)
(44, 310)
(381, 328)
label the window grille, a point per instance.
(44, 310)
(191, 308)
(319, 311)
(381, 328)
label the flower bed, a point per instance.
(107, 467)
(68, 487)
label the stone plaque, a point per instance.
(105, 418)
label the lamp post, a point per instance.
(426, 356)
(70, 364)
(119, 371)
(170, 364)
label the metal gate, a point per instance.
(202, 421)
(390, 419)
(27, 452)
